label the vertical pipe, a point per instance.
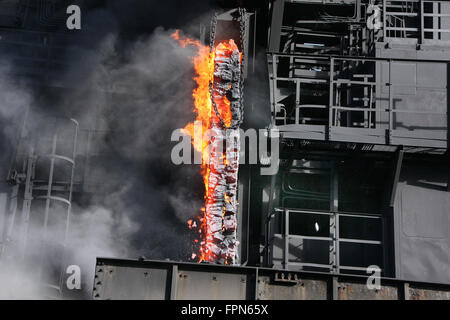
(297, 102)
(337, 243)
(286, 240)
(384, 20)
(390, 103)
(422, 26)
(330, 101)
(274, 87)
(371, 88)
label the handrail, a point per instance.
(339, 81)
(415, 32)
(354, 58)
(333, 239)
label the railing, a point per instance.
(49, 154)
(334, 239)
(412, 18)
(392, 92)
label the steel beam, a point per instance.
(275, 26)
(396, 176)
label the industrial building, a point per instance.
(358, 92)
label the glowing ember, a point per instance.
(217, 230)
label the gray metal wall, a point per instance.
(422, 225)
(131, 279)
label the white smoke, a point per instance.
(97, 232)
(142, 205)
(94, 231)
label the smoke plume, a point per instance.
(128, 96)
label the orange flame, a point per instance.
(204, 75)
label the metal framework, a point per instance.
(409, 19)
(379, 125)
(48, 162)
(334, 240)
